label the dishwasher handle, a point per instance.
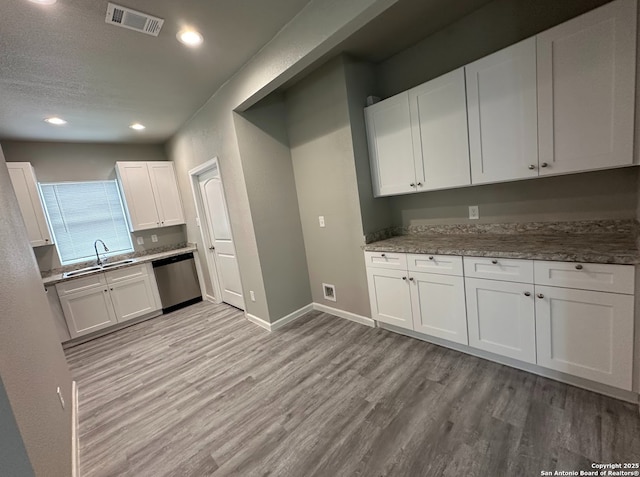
(167, 261)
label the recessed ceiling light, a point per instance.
(190, 37)
(44, 2)
(137, 126)
(55, 120)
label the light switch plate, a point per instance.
(154, 238)
(321, 220)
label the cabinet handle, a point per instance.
(540, 295)
(544, 164)
(430, 257)
(495, 262)
(531, 167)
(578, 267)
(411, 279)
(527, 293)
(412, 184)
(404, 278)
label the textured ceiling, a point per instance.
(64, 60)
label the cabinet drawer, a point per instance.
(441, 264)
(505, 269)
(395, 261)
(127, 273)
(586, 276)
(81, 284)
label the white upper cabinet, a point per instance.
(503, 130)
(24, 183)
(439, 130)
(390, 146)
(586, 90)
(151, 194)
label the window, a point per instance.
(81, 213)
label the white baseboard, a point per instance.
(347, 315)
(282, 321)
(75, 447)
(209, 298)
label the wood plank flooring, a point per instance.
(203, 392)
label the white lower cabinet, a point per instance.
(501, 317)
(99, 301)
(88, 310)
(389, 295)
(586, 333)
(501, 306)
(437, 302)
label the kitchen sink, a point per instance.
(117, 264)
(82, 271)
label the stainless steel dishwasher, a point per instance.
(177, 282)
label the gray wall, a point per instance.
(62, 162)
(268, 172)
(606, 194)
(323, 162)
(32, 364)
(315, 31)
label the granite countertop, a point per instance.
(617, 248)
(53, 278)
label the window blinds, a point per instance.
(82, 212)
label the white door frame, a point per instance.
(201, 222)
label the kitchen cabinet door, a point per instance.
(586, 90)
(25, 186)
(501, 318)
(586, 333)
(167, 195)
(439, 131)
(88, 310)
(438, 306)
(133, 298)
(503, 129)
(390, 146)
(390, 298)
(138, 194)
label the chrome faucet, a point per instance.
(95, 247)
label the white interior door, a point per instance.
(219, 231)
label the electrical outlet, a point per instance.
(321, 220)
(252, 295)
(474, 212)
(60, 397)
(140, 240)
(154, 238)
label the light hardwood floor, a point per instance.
(203, 392)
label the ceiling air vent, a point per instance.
(126, 18)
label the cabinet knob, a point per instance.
(111, 289)
(578, 267)
(46, 240)
(527, 293)
(106, 291)
(419, 184)
(412, 184)
(495, 262)
(411, 279)
(531, 167)
(430, 257)
(544, 164)
(212, 248)
(383, 254)
(540, 295)
(404, 278)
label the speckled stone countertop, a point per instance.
(569, 244)
(56, 276)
